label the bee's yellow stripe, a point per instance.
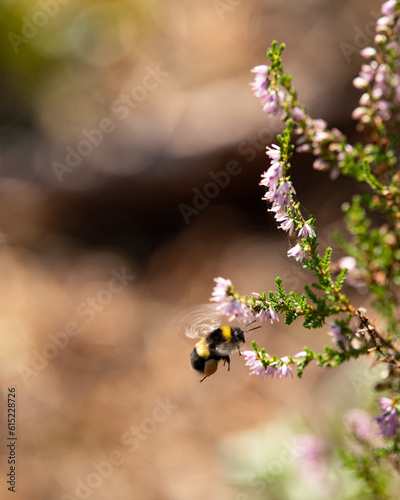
(202, 349)
(227, 333)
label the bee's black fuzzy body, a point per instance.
(216, 346)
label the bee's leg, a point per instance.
(227, 359)
(203, 378)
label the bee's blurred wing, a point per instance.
(199, 321)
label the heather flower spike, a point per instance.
(369, 261)
(270, 96)
(263, 365)
(389, 420)
(228, 302)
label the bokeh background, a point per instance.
(114, 116)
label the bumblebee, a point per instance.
(217, 342)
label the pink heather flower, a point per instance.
(272, 196)
(366, 75)
(334, 174)
(360, 83)
(368, 71)
(235, 310)
(389, 421)
(381, 73)
(280, 214)
(285, 370)
(381, 83)
(320, 165)
(347, 262)
(271, 315)
(257, 368)
(220, 289)
(272, 102)
(377, 92)
(254, 363)
(272, 175)
(303, 148)
(250, 357)
(272, 371)
(365, 99)
(337, 336)
(359, 113)
(368, 52)
(338, 134)
(288, 225)
(320, 136)
(259, 85)
(298, 113)
(287, 188)
(280, 195)
(261, 70)
(386, 404)
(388, 8)
(383, 23)
(360, 423)
(354, 276)
(319, 124)
(380, 39)
(268, 314)
(306, 232)
(273, 152)
(297, 252)
(383, 109)
(311, 461)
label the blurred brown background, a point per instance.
(113, 115)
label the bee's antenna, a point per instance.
(251, 329)
(247, 324)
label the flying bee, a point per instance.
(216, 342)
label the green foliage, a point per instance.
(367, 469)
